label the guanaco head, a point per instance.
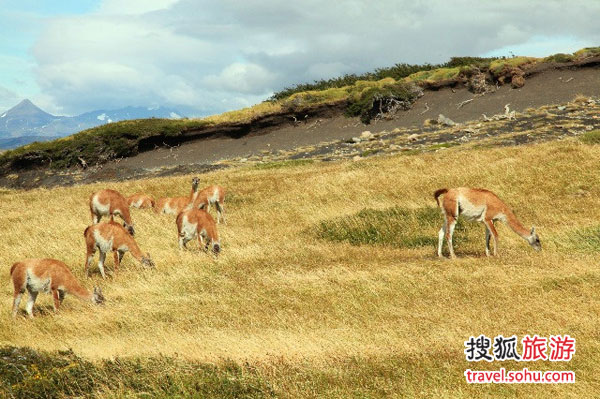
(195, 182)
(97, 296)
(147, 261)
(216, 247)
(534, 240)
(130, 228)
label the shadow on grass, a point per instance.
(27, 373)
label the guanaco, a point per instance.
(211, 195)
(47, 275)
(481, 206)
(110, 202)
(140, 201)
(111, 236)
(198, 222)
(174, 205)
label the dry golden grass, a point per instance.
(325, 319)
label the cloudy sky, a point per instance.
(206, 57)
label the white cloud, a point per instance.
(119, 7)
(214, 56)
(242, 78)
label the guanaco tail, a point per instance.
(140, 201)
(47, 275)
(111, 236)
(110, 203)
(198, 222)
(481, 206)
(211, 195)
(174, 205)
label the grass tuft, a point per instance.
(591, 137)
(396, 227)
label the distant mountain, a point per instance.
(23, 118)
(25, 122)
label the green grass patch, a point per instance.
(587, 52)
(560, 58)
(283, 164)
(497, 66)
(395, 227)
(585, 239)
(591, 137)
(31, 374)
(435, 75)
(567, 283)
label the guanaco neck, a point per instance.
(79, 291)
(515, 224)
(133, 247)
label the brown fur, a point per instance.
(146, 201)
(211, 195)
(483, 206)
(174, 205)
(118, 206)
(54, 276)
(206, 228)
(122, 241)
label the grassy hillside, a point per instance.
(361, 95)
(328, 284)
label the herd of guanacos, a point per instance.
(194, 220)
(53, 276)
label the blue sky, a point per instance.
(205, 57)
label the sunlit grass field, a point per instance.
(328, 284)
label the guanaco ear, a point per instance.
(532, 230)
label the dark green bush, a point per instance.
(377, 99)
(560, 57)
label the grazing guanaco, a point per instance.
(174, 205)
(140, 201)
(481, 206)
(110, 203)
(198, 222)
(47, 275)
(211, 195)
(111, 236)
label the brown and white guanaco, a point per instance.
(140, 201)
(111, 236)
(194, 223)
(47, 275)
(481, 206)
(174, 205)
(110, 203)
(211, 195)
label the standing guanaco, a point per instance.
(111, 236)
(110, 202)
(211, 195)
(198, 222)
(140, 201)
(47, 275)
(481, 206)
(174, 205)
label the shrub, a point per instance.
(384, 98)
(560, 58)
